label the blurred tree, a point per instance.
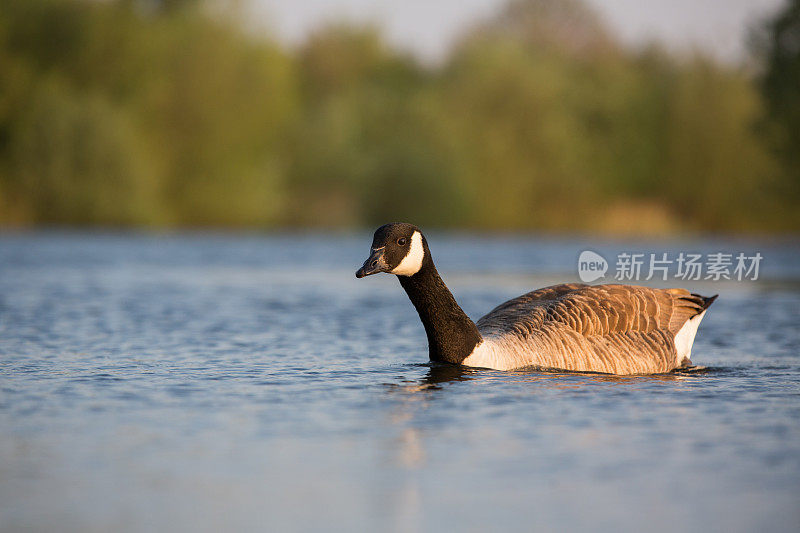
(207, 104)
(533, 93)
(216, 110)
(717, 173)
(778, 44)
(173, 113)
(568, 26)
(77, 160)
(366, 148)
(521, 145)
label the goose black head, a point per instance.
(397, 248)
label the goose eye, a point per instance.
(401, 241)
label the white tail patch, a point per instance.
(685, 338)
(412, 262)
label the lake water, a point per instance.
(247, 382)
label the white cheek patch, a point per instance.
(412, 262)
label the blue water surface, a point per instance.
(221, 382)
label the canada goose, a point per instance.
(617, 329)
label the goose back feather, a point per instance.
(620, 329)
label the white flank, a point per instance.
(685, 338)
(412, 262)
(489, 354)
(478, 357)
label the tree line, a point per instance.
(176, 114)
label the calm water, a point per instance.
(211, 382)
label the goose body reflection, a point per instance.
(615, 329)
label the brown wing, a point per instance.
(617, 328)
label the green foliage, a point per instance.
(368, 147)
(129, 117)
(160, 114)
(88, 166)
(778, 45)
(716, 171)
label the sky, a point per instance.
(428, 27)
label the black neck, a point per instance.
(451, 334)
